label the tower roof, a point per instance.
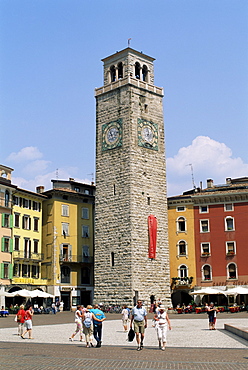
(126, 51)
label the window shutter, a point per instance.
(10, 271)
(69, 251)
(29, 223)
(20, 201)
(61, 251)
(3, 216)
(29, 204)
(11, 245)
(2, 245)
(1, 270)
(39, 206)
(11, 221)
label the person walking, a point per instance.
(28, 322)
(78, 322)
(162, 321)
(87, 320)
(21, 319)
(97, 323)
(139, 317)
(125, 316)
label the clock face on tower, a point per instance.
(147, 134)
(112, 135)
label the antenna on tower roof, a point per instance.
(192, 174)
(129, 42)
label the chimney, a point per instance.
(71, 179)
(40, 189)
(228, 180)
(210, 183)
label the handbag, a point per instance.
(131, 335)
(15, 318)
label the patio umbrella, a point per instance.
(40, 294)
(7, 294)
(208, 290)
(22, 293)
(237, 290)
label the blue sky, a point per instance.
(50, 63)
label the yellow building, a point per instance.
(68, 239)
(27, 239)
(182, 247)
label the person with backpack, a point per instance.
(87, 320)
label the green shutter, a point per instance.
(2, 244)
(11, 245)
(3, 216)
(10, 271)
(11, 221)
(1, 270)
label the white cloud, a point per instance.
(38, 166)
(28, 153)
(209, 158)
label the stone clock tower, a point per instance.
(130, 183)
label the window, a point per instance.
(112, 259)
(65, 210)
(182, 248)
(85, 213)
(6, 199)
(36, 224)
(229, 223)
(25, 270)
(35, 272)
(85, 275)
(180, 209)
(7, 244)
(25, 203)
(144, 73)
(65, 229)
(204, 226)
(35, 206)
(16, 243)
(6, 270)
(65, 273)
(228, 207)
(27, 248)
(85, 231)
(203, 209)
(17, 219)
(183, 271)
(206, 272)
(231, 271)
(16, 270)
(86, 191)
(36, 246)
(86, 252)
(15, 200)
(230, 248)
(65, 252)
(26, 222)
(181, 224)
(137, 70)
(120, 70)
(113, 73)
(77, 189)
(6, 220)
(205, 249)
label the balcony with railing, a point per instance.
(75, 259)
(23, 255)
(182, 282)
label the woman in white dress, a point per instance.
(78, 322)
(162, 321)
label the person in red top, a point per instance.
(20, 319)
(28, 322)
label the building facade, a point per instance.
(182, 248)
(130, 183)
(68, 242)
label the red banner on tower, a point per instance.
(152, 230)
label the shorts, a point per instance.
(125, 321)
(139, 327)
(28, 324)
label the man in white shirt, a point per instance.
(139, 317)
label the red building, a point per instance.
(221, 220)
